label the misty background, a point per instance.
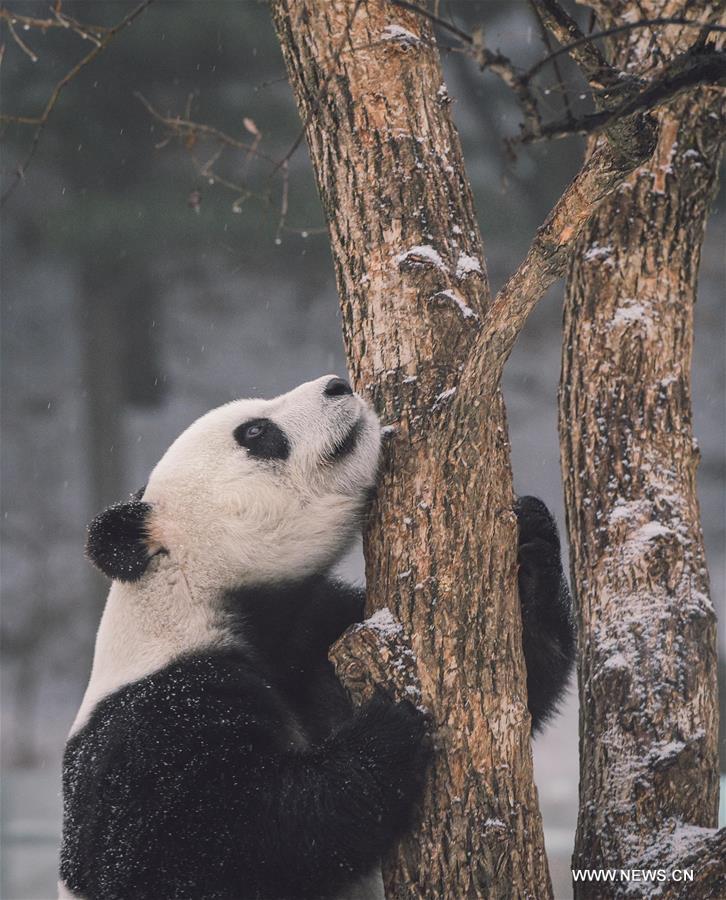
(136, 295)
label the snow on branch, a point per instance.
(376, 653)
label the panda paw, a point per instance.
(392, 742)
(535, 521)
(540, 563)
(547, 614)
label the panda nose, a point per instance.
(336, 387)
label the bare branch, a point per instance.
(21, 43)
(189, 131)
(547, 41)
(587, 58)
(684, 72)
(40, 121)
(610, 86)
(584, 52)
(60, 20)
(437, 20)
(185, 128)
(283, 201)
(545, 261)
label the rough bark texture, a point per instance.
(441, 543)
(375, 653)
(647, 659)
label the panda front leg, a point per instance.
(331, 813)
(548, 629)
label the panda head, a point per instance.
(254, 492)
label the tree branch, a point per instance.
(59, 20)
(620, 29)
(21, 43)
(592, 63)
(41, 120)
(186, 128)
(547, 41)
(375, 654)
(609, 85)
(188, 131)
(546, 260)
(703, 67)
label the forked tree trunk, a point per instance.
(647, 660)
(441, 541)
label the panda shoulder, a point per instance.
(191, 704)
(335, 606)
(220, 689)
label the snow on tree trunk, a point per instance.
(441, 540)
(647, 634)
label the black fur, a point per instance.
(346, 445)
(117, 540)
(547, 616)
(245, 773)
(242, 773)
(270, 443)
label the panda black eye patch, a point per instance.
(263, 439)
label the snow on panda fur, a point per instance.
(215, 755)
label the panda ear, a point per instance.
(118, 540)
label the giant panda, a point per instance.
(214, 755)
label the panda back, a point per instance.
(155, 754)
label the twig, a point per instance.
(283, 201)
(468, 39)
(494, 61)
(187, 131)
(684, 72)
(84, 31)
(594, 66)
(21, 43)
(503, 67)
(41, 120)
(547, 41)
(60, 20)
(437, 20)
(184, 127)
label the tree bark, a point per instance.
(441, 540)
(647, 655)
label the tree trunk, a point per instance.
(441, 540)
(647, 657)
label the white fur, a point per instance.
(226, 519)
